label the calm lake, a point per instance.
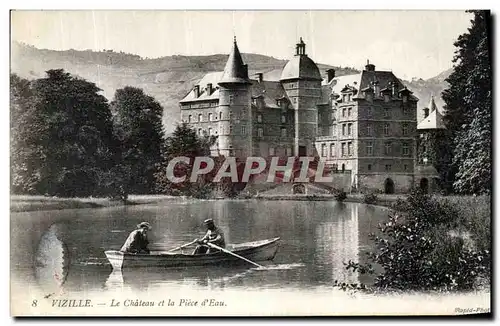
(316, 239)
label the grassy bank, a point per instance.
(26, 203)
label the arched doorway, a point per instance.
(424, 185)
(389, 186)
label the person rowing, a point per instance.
(214, 236)
(137, 241)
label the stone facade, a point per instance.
(364, 124)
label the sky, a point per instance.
(410, 43)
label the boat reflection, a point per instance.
(211, 277)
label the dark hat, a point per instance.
(208, 221)
(144, 225)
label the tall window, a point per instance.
(343, 129)
(260, 132)
(259, 117)
(243, 130)
(210, 117)
(200, 117)
(332, 150)
(369, 148)
(369, 129)
(210, 131)
(387, 113)
(343, 112)
(288, 151)
(283, 118)
(334, 114)
(349, 111)
(343, 150)
(271, 151)
(190, 118)
(405, 110)
(369, 111)
(220, 115)
(231, 99)
(230, 115)
(405, 167)
(369, 167)
(349, 149)
(386, 129)
(200, 132)
(349, 129)
(323, 150)
(283, 132)
(334, 130)
(231, 130)
(406, 149)
(405, 129)
(388, 148)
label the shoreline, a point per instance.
(29, 203)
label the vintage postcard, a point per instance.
(250, 163)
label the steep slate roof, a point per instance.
(210, 78)
(364, 79)
(235, 71)
(270, 90)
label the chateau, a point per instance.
(364, 125)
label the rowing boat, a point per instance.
(255, 251)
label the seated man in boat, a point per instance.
(137, 242)
(214, 236)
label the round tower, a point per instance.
(235, 134)
(301, 80)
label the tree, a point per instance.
(185, 142)
(23, 158)
(468, 108)
(64, 128)
(137, 121)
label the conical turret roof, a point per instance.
(432, 105)
(434, 120)
(235, 71)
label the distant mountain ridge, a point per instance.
(168, 79)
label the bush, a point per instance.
(340, 195)
(370, 198)
(417, 251)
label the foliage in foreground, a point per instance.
(417, 250)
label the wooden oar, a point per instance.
(183, 246)
(232, 253)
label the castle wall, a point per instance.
(376, 182)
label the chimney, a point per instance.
(209, 89)
(395, 89)
(376, 88)
(260, 77)
(369, 66)
(330, 73)
(426, 112)
(197, 91)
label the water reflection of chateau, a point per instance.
(338, 242)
